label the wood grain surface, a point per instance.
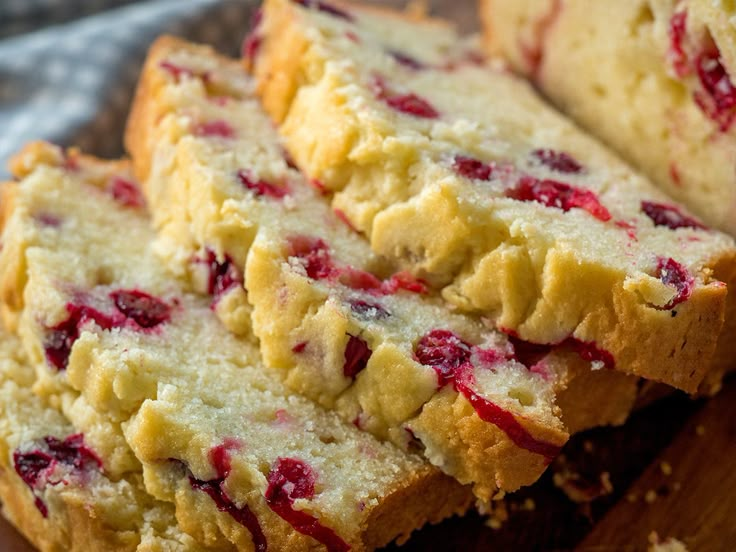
(672, 468)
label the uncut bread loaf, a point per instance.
(53, 485)
(655, 80)
(457, 170)
(246, 464)
(331, 317)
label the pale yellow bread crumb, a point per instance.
(542, 272)
(393, 393)
(611, 67)
(89, 511)
(185, 386)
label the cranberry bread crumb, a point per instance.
(53, 486)
(101, 312)
(656, 80)
(458, 170)
(350, 351)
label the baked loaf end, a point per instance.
(39, 448)
(244, 462)
(655, 80)
(457, 170)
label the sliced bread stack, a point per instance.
(371, 284)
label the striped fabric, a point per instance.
(68, 67)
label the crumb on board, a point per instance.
(496, 514)
(665, 467)
(670, 544)
(579, 489)
(650, 496)
(700, 430)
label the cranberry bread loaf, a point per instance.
(323, 318)
(656, 80)
(243, 461)
(53, 486)
(458, 170)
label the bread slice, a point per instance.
(344, 333)
(53, 485)
(243, 461)
(655, 80)
(459, 171)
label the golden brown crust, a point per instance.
(143, 113)
(147, 109)
(72, 527)
(12, 275)
(476, 449)
(594, 398)
(39, 153)
(429, 496)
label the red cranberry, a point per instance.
(410, 104)
(718, 97)
(73, 452)
(299, 347)
(145, 310)
(261, 187)
(291, 479)
(368, 310)
(325, 7)
(673, 274)
(589, 350)
(243, 515)
(403, 281)
(176, 71)
(252, 42)
(215, 128)
(34, 466)
(357, 354)
(222, 275)
(48, 219)
(504, 420)
(559, 161)
(60, 338)
(314, 255)
(473, 168)
(126, 192)
(219, 456)
(526, 352)
(529, 354)
(669, 216)
(30, 466)
(319, 186)
(444, 351)
(344, 218)
(677, 54)
(559, 195)
(406, 60)
(358, 279)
